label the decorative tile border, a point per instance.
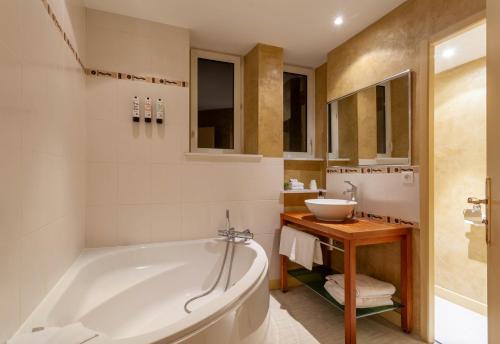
(52, 15)
(372, 170)
(95, 72)
(387, 219)
(132, 77)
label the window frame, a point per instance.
(193, 128)
(311, 123)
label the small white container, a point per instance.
(313, 185)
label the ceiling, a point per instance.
(304, 28)
(466, 47)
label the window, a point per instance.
(215, 102)
(298, 112)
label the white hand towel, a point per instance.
(338, 294)
(366, 286)
(302, 248)
(71, 334)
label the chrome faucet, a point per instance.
(231, 234)
(352, 191)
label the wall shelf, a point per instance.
(303, 159)
(305, 191)
(223, 157)
(315, 281)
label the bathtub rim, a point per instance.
(172, 333)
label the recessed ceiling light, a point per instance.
(447, 53)
(338, 21)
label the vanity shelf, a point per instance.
(315, 280)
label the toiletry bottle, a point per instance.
(160, 110)
(136, 117)
(147, 109)
(321, 195)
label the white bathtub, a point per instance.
(136, 294)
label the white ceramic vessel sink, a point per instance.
(331, 209)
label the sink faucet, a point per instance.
(352, 191)
(231, 234)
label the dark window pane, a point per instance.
(381, 131)
(294, 112)
(215, 104)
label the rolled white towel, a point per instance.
(361, 302)
(366, 286)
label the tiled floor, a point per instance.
(302, 317)
(458, 325)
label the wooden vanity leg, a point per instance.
(350, 292)
(406, 283)
(284, 273)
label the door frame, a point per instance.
(428, 242)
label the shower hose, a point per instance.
(212, 288)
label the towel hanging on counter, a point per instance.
(302, 248)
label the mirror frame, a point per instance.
(407, 72)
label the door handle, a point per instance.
(486, 201)
(474, 200)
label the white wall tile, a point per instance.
(101, 226)
(197, 182)
(101, 98)
(166, 222)
(270, 243)
(134, 183)
(102, 184)
(42, 156)
(134, 224)
(10, 288)
(380, 193)
(133, 143)
(101, 140)
(166, 183)
(196, 221)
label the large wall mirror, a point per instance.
(372, 126)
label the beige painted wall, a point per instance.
(459, 172)
(367, 123)
(348, 128)
(263, 79)
(493, 169)
(397, 42)
(321, 112)
(42, 153)
(399, 118)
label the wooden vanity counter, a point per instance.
(353, 233)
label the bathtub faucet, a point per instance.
(231, 233)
